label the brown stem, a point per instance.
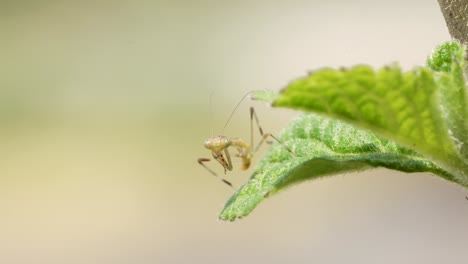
(456, 16)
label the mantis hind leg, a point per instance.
(253, 116)
(265, 136)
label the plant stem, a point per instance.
(456, 16)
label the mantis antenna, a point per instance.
(235, 108)
(211, 112)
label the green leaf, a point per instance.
(448, 63)
(404, 107)
(321, 147)
(421, 116)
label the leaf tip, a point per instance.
(264, 96)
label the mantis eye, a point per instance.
(207, 144)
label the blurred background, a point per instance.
(104, 107)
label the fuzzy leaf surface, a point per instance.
(321, 147)
(447, 62)
(402, 106)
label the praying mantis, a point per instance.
(219, 146)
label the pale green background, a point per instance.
(104, 107)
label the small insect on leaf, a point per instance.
(220, 147)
